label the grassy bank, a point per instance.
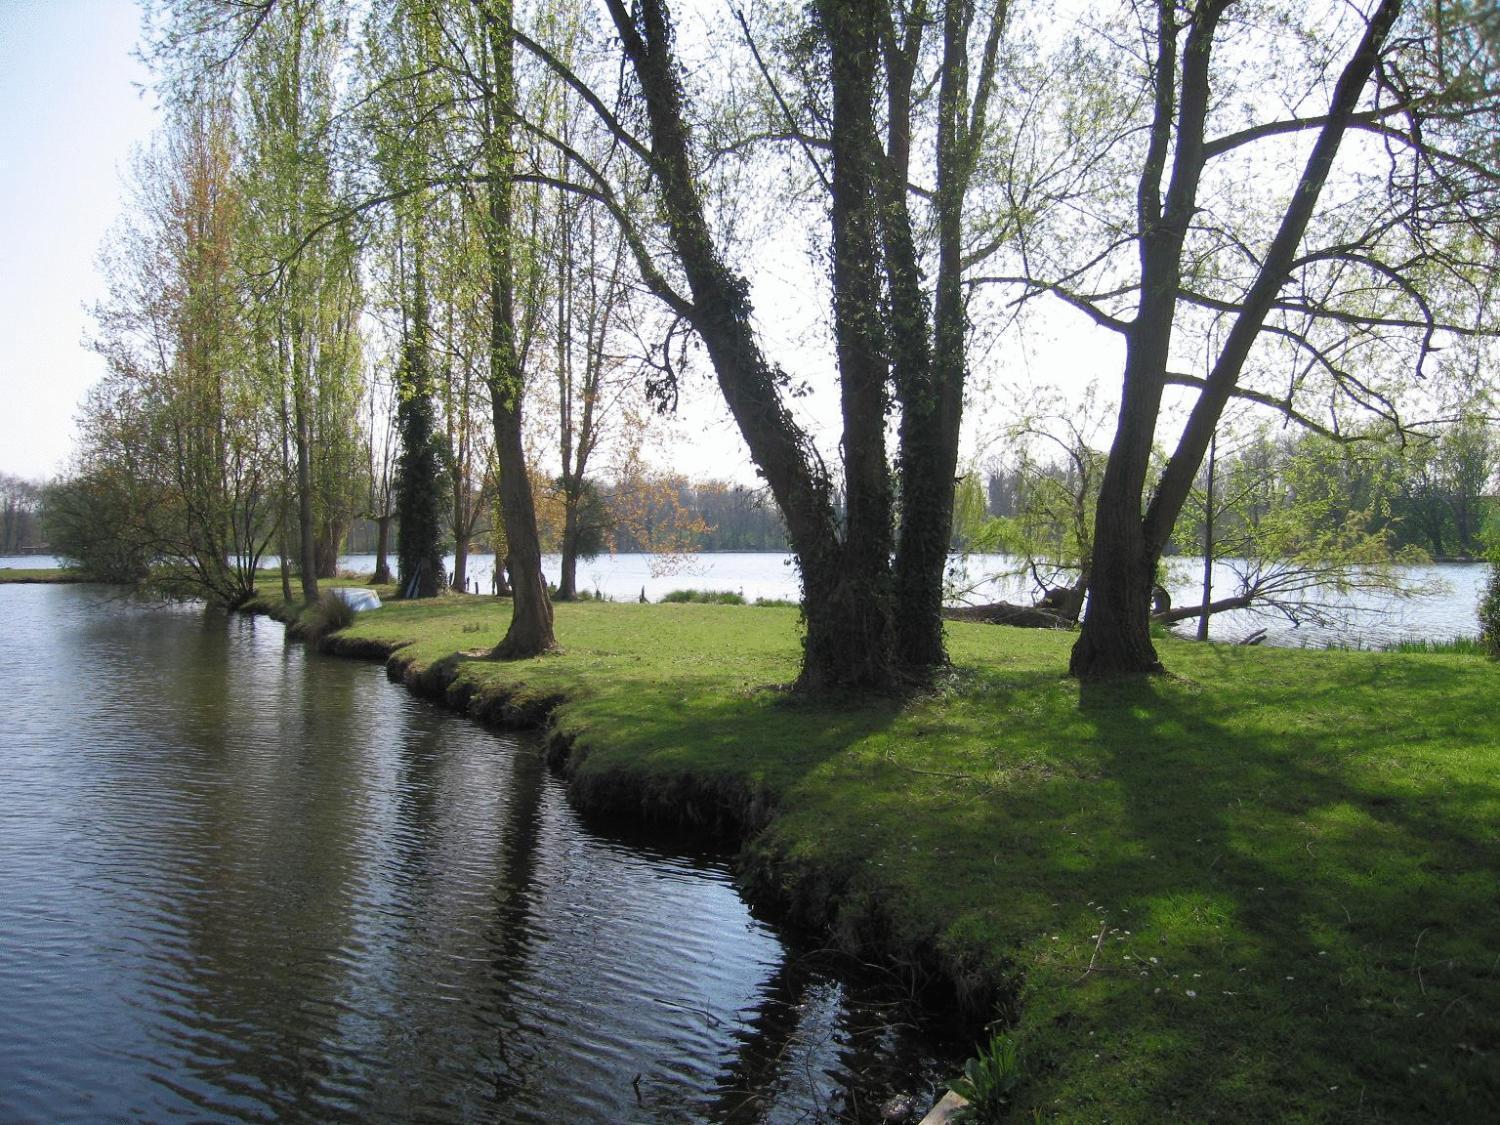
(27, 575)
(1262, 889)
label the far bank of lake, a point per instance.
(1442, 611)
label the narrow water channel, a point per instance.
(240, 881)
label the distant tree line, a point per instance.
(20, 515)
(1436, 494)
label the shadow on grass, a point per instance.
(1306, 937)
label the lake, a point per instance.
(1444, 610)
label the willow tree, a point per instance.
(177, 439)
(530, 630)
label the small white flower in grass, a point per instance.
(1151, 959)
(1192, 995)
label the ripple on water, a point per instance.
(245, 882)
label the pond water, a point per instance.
(242, 881)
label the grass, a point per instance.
(51, 574)
(1260, 889)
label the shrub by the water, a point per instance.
(707, 597)
(328, 614)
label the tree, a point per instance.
(20, 504)
(178, 435)
(858, 632)
(419, 474)
(1300, 523)
(530, 631)
(1318, 280)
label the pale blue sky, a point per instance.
(69, 116)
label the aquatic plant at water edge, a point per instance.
(989, 1080)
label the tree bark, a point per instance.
(567, 580)
(382, 573)
(530, 632)
(846, 642)
(307, 553)
(460, 581)
(1116, 631)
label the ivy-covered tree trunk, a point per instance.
(419, 558)
(845, 602)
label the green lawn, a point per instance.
(1265, 888)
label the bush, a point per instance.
(1489, 609)
(706, 597)
(328, 614)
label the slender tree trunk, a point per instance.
(284, 548)
(530, 631)
(307, 555)
(567, 581)
(1208, 540)
(382, 573)
(460, 563)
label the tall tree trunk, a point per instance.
(460, 580)
(846, 644)
(307, 555)
(567, 579)
(854, 613)
(530, 631)
(382, 573)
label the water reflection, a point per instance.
(248, 883)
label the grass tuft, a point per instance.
(327, 615)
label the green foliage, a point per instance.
(989, 1081)
(705, 597)
(88, 524)
(1489, 609)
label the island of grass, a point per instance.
(1264, 888)
(19, 575)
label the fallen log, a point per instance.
(1007, 613)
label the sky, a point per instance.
(70, 112)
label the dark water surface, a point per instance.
(242, 881)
